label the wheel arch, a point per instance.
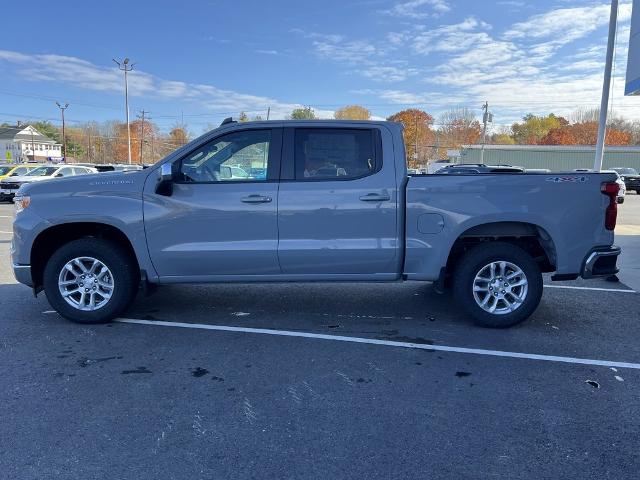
(53, 237)
(532, 238)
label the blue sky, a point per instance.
(210, 59)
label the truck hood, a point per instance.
(97, 182)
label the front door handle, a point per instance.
(375, 197)
(256, 199)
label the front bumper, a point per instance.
(601, 262)
(23, 274)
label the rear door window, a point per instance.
(334, 153)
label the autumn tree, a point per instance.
(352, 112)
(178, 136)
(533, 128)
(586, 133)
(559, 136)
(502, 139)
(459, 126)
(304, 113)
(418, 135)
(243, 117)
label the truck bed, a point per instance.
(566, 207)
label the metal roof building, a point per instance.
(553, 157)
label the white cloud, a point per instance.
(355, 51)
(566, 24)
(451, 38)
(78, 73)
(388, 73)
(415, 9)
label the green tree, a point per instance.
(304, 113)
(243, 117)
(534, 128)
(48, 130)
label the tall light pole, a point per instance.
(126, 67)
(606, 87)
(64, 138)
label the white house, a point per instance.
(24, 143)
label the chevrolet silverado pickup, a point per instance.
(310, 201)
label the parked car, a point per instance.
(623, 188)
(9, 186)
(110, 167)
(469, 168)
(7, 171)
(90, 242)
(630, 177)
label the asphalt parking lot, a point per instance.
(286, 392)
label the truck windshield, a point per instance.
(42, 172)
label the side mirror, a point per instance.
(165, 180)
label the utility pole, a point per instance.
(126, 67)
(268, 112)
(89, 143)
(415, 155)
(141, 116)
(64, 138)
(606, 87)
(486, 118)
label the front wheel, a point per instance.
(498, 284)
(90, 280)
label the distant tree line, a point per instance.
(426, 139)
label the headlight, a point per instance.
(21, 202)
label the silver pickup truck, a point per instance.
(319, 201)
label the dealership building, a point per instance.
(552, 157)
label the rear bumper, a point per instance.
(23, 274)
(601, 262)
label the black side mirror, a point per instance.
(165, 180)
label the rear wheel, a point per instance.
(498, 284)
(90, 280)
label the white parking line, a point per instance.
(388, 343)
(2, 231)
(596, 289)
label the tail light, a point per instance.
(611, 189)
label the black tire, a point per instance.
(479, 257)
(119, 262)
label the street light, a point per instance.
(126, 67)
(64, 139)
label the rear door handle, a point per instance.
(375, 197)
(256, 199)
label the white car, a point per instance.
(9, 186)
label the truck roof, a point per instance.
(312, 122)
